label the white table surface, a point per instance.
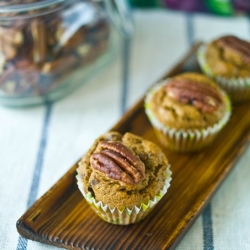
(38, 145)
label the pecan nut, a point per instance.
(39, 41)
(201, 96)
(11, 36)
(241, 47)
(28, 75)
(118, 162)
(60, 65)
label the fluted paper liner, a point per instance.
(238, 88)
(125, 216)
(181, 140)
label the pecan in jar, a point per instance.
(51, 39)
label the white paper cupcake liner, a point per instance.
(184, 140)
(125, 216)
(238, 88)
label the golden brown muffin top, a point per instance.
(122, 186)
(188, 101)
(229, 56)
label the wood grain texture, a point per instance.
(62, 218)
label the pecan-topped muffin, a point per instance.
(187, 111)
(229, 56)
(227, 60)
(123, 173)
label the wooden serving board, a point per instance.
(63, 218)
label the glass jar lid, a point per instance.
(18, 6)
(118, 11)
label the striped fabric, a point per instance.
(38, 145)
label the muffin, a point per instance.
(227, 61)
(187, 111)
(123, 177)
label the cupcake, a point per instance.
(187, 111)
(227, 61)
(123, 177)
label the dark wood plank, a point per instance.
(62, 218)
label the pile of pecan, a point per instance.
(38, 51)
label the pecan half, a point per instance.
(11, 36)
(118, 162)
(60, 65)
(202, 96)
(237, 45)
(39, 40)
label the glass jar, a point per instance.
(49, 47)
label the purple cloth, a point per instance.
(201, 6)
(242, 5)
(185, 5)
